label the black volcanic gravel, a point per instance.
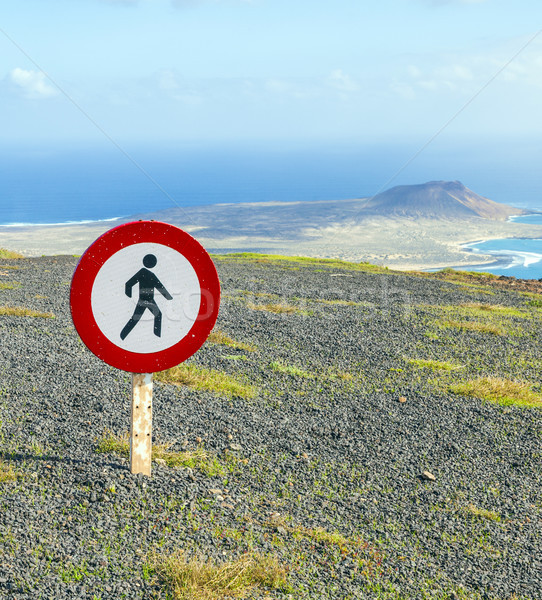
(326, 444)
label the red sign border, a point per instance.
(100, 251)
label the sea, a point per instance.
(44, 184)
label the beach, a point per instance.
(330, 229)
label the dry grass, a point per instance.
(434, 365)
(198, 579)
(207, 380)
(340, 302)
(195, 459)
(481, 308)
(7, 473)
(219, 337)
(473, 326)
(296, 262)
(501, 391)
(9, 285)
(280, 367)
(482, 513)
(9, 254)
(21, 311)
(275, 307)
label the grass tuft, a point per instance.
(207, 380)
(219, 337)
(9, 254)
(280, 367)
(473, 326)
(301, 261)
(9, 285)
(501, 391)
(7, 473)
(195, 459)
(21, 311)
(482, 513)
(275, 307)
(198, 579)
(435, 365)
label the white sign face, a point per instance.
(146, 297)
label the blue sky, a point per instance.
(155, 70)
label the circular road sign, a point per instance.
(144, 296)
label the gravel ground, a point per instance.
(322, 468)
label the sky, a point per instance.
(150, 71)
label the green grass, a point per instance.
(219, 337)
(274, 303)
(207, 380)
(193, 578)
(9, 285)
(7, 473)
(505, 392)
(482, 513)
(280, 367)
(198, 459)
(279, 308)
(340, 302)
(300, 261)
(434, 365)
(483, 309)
(491, 328)
(493, 319)
(9, 254)
(453, 275)
(21, 311)
(480, 310)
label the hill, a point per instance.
(371, 434)
(438, 200)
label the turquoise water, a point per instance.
(520, 258)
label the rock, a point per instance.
(402, 399)
(428, 476)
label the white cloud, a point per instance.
(342, 81)
(32, 84)
(414, 71)
(168, 81)
(403, 90)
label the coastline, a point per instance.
(398, 243)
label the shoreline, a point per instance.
(398, 243)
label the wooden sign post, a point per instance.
(141, 424)
(144, 297)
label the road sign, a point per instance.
(144, 296)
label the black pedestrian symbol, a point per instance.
(148, 282)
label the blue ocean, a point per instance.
(71, 184)
(520, 258)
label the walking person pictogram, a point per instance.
(148, 282)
